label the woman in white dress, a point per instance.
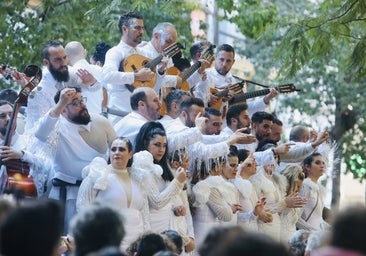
(159, 181)
(314, 192)
(252, 207)
(216, 199)
(289, 216)
(118, 184)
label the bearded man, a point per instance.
(75, 138)
(55, 76)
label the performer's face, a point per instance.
(77, 112)
(5, 114)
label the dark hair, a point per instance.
(100, 50)
(147, 132)
(9, 95)
(56, 98)
(36, 225)
(212, 112)
(243, 154)
(129, 147)
(234, 112)
(186, 104)
(175, 96)
(348, 229)
(176, 238)
(307, 161)
(95, 227)
(181, 63)
(233, 152)
(5, 102)
(47, 45)
(225, 48)
(136, 96)
(125, 20)
(277, 121)
(150, 244)
(259, 116)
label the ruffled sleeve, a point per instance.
(94, 179)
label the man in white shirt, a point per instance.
(145, 107)
(76, 54)
(131, 26)
(75, 138)
(55, 76)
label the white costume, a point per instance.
(312, 212)
(119, 94)
(129, 126)
(101, 184)
(93, 94)
(212, 197)
(70, 151)
(248, 199)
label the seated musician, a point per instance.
(15, 173)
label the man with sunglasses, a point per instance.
(74, 138)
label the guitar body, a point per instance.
(18, 173)
(218, 103)
(133, 63)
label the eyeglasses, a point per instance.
(77, 102)
(120, 149)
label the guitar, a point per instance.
(207, 54)
(221, 93)
(240, 97)
(285, 88)
(18, 170)
(134, 62)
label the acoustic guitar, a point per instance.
(221, 93)
(207, 54)
(17, 170)
(241, 97)
(135, 62)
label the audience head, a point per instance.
(348, 229)
(163, 35)
(230, 164)
(75, 51)
(197, 48)
(295, 176)
(174, 98)
(214, 123)
(189, 109)
(76, 111)
(225, 58)
(173, 241)
(152, 137)
(121, 152)
(262, 123)
(313, 165)
(55, 59)
(33, 228)
(316, 240)
(98, 57)
(6, 110)
(8, 94)
(149, 244)
(299, 133)
(95, 227)
(131, 26)
(237, 117)
(276, 130)
(145, 101)
(298, 242)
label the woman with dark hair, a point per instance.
(314, 192)
(118, 184)
(162, 187)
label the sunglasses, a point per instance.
(120, 149)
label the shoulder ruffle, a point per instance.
(97, 171)
(143, 161)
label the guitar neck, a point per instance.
(248, 95)
(189, 71)
(153, 63)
